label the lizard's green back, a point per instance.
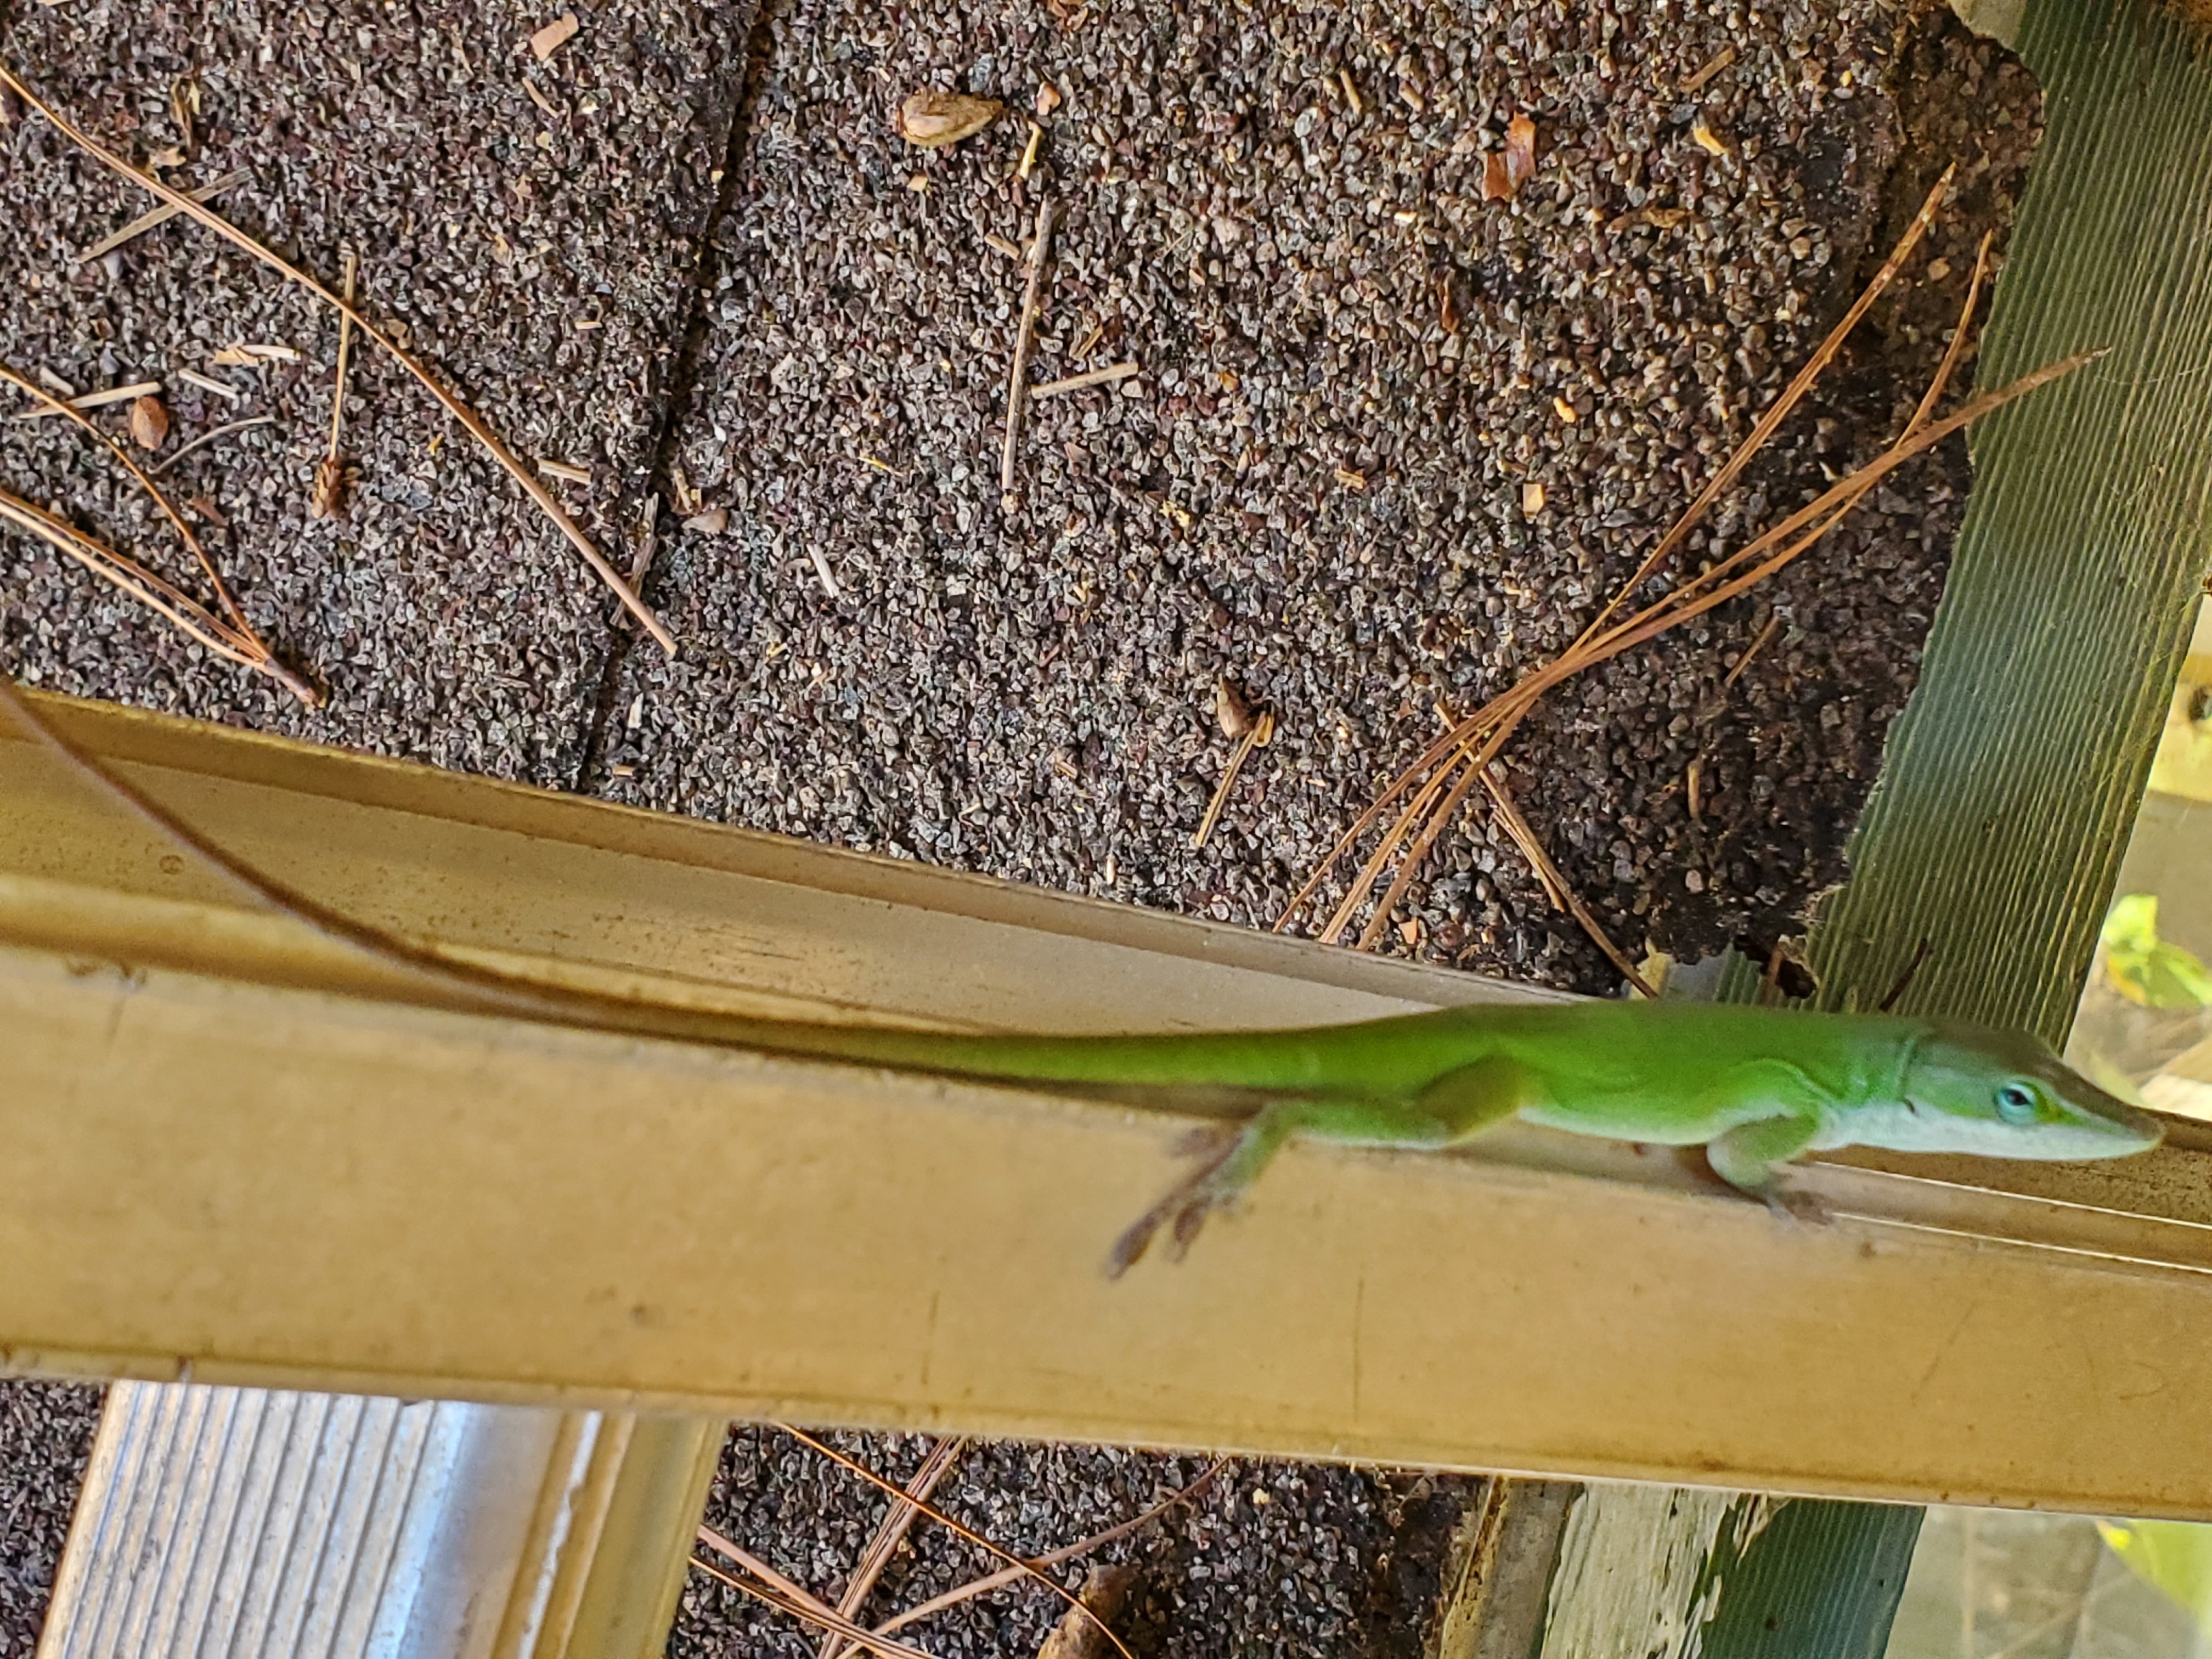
(1645, 1072)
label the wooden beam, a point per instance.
(215, 1172)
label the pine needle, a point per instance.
(1070, 1552)
(1432, 795)
(1025, 1569)
(764, 1583)
(229, 636)
(897, 1520)
(473, 423)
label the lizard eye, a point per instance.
(2015, 1102)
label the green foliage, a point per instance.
(2145, 969)
(2175, 1557)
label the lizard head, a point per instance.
(2007, 1094)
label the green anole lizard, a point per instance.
(1755, 1087)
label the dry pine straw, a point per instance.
(842, 1632)
(1472, 743)
(470, 421)
(230, 635)
(1470, 746)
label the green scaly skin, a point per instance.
(1755, 1087)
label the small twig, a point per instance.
(1258, 735)
(160, 215)
(1027, 1569)
(975, 1587)
(114, 394)
(1089, 378)
(330, 477)
(471, 422)
(1920, 954)
(896, 1521)
(209, 383)
(171, 459)
(770, 1586)
(566, 473)
(1026, 333)
(1555, 884)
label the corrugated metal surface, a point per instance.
(239, 1523)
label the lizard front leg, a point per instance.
(1456, 1107)
(1750, 1157)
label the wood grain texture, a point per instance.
(2014, 774)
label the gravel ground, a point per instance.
(544, 257)
(45, 1436)
(1269, 1559)
(1315, 487)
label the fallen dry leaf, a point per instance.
(1048, 100)
(1230, 710)
(149, 423)
(1447, 303)
(1504, 171)
(931, 117)
(712, 522)
(1082, 1634)
(1709, 141)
